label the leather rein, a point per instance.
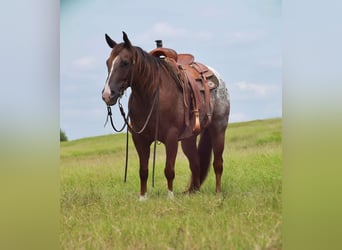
(130, 128)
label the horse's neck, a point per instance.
(145, 83)
(140, 96)
(150, 79)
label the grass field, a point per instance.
(100, 211)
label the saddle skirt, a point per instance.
(196, 81)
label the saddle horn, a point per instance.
(159, 43)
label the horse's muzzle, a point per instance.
(109, 98)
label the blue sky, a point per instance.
(240, 39)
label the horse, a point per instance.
(156, 103)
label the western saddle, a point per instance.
(196, 81)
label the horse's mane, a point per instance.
(151, 68)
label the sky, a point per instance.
(240, 39)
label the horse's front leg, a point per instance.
(143, 148)
(171, 148)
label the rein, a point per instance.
(130, 128)
(109, 114)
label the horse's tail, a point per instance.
(204, 152)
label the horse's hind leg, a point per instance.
(190, 150)
(218, 137)
(143, 149)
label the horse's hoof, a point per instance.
(143, 197)
(192, 190)
(170, 195)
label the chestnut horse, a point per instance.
(156, 104)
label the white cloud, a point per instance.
(204, 35)
(165, 29)
(213, 12)
(85, 63)
(258, 89)
(244, 37)
(168, 31)
(271, 62)
(161, 30)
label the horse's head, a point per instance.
(119, 65)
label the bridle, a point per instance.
(132, 130)
(126, 118)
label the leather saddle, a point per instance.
(196, 82)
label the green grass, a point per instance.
(100, 211)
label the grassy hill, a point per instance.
(100, 211)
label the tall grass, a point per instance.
(100, 211)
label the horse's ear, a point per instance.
(109, 41)
(126, 40)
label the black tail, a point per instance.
(204, 152)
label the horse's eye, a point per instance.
(123, 63)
